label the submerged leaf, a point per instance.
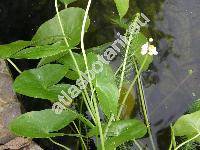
(50, 31)
(188, 125)
(40, 82)
(41, 124)
(122, 7)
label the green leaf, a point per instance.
(40, 51)
(50, 31)
(120, 132)
(188, 125)
(40, 82)
(41, 124)
(137, 42)
(121, 22)
(49, 59)
(66, 2)
(122, 7)
(106, 88)
(67, 60)
(99, 49)
(9, 49)
(104, 82)
(53, 58)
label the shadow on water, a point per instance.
(169, 87)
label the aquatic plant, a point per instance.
(54, 44)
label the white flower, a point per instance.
(152, 50)
(144, 48)
(147, 48)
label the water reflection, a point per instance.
(176, 88)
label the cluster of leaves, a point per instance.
(55, 64)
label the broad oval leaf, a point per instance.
(188, 125)
(41, 124)
(50, 31)
(122, 7)
(7, 50)
(40, 82)
(120, 132)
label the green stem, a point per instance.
(137, 144)
(173, 141)
(99, 125)
(13, 64)
(130, 87)
(108, 125)
(144, 109)
(59, 144)
(82, 141)
(126, 53)
(73, 58)
(86, 64)
(189, 140)
(86, 121)
(124, 63)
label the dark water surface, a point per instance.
(169, 87)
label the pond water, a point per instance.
(172, 82)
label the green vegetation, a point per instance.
(56, 45)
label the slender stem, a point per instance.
(189, 140)
(108, 125)
(89, 106)
(144, 106)
(82, 41)
(173, 141)
(82, 141)
(127, 52)
(130, 87)
(121, 65)
(86, 64)
(59, 144)
(13, 64)
(86, 121)
(99, 124)
(124, 63)
(72, 55)
(98, 119)
(137, 144)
